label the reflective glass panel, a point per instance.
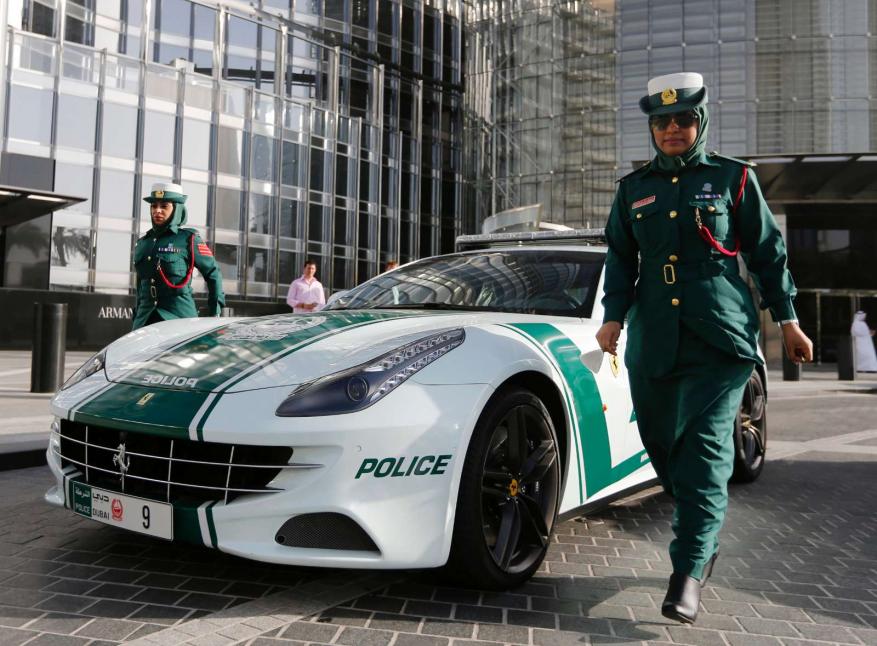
(71, 248)
(113, 251)
(30, 114)
(263, 158)
(196, 205)
(292, 170)
(158, 137)
(261, 213)
(174, 17)
(260, 267)
(76, 122)
(226, 256)
(119, 130)
(229, 150)
(227, 210)
(289, 225)
(196, 144)
(71, 179)
(116, 194)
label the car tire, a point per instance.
(750, 432)
(509, 494)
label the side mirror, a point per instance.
(593, 360)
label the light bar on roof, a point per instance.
(586, 236)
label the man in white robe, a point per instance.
(866, 357)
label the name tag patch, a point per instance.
(643, 202)
(708, 196)
(168, 249)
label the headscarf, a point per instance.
(695, 154)
(177, 218)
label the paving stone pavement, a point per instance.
(798, 566)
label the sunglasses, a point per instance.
(682, 119)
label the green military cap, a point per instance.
(674, 93)
(166, 192)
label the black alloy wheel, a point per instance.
(509, 494)
(750, 432)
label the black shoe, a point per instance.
(683, 598)
(708, 569)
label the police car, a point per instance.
(445, 414)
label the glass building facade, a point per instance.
(784, 76)
(552, 88)
(541, 101)
(325, 129)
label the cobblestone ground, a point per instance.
(798, 566)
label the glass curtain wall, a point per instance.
(304, 128)
(541, 119)
(784, 76)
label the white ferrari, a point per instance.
(445, 414)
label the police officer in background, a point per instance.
(165, 258)
(674, 233)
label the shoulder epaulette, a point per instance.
(634, 172)
(716, 153)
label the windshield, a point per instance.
(528, 281)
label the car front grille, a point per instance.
(171, 470)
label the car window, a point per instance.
(531, 281)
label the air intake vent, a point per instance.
(326, 531)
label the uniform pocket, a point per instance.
(645, 225)
(714, 214)
(174, 266)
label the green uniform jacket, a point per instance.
(661, 274)
(172, 251)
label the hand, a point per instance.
(607, 336)
(799, 347)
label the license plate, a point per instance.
(134, 514)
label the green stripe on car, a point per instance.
(586, 410)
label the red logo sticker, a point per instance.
(117, 509)
(643, 202)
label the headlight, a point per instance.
(361, 386)
(87, 369)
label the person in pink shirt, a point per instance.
(306, 293)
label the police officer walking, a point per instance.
(674, 234)
(165, 258)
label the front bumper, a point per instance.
(393, 468)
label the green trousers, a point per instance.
(686, 422)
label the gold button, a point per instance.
(673, 258)
(149, 257)
(674, 180)
(672, 214)
(675, 302)
(710, 208)
(639, 216)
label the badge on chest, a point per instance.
(168, 249)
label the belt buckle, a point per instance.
(669, 274)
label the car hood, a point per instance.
(266, 352)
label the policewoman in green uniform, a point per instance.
(165, 259)
(676, 229)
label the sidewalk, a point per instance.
(25, 416)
